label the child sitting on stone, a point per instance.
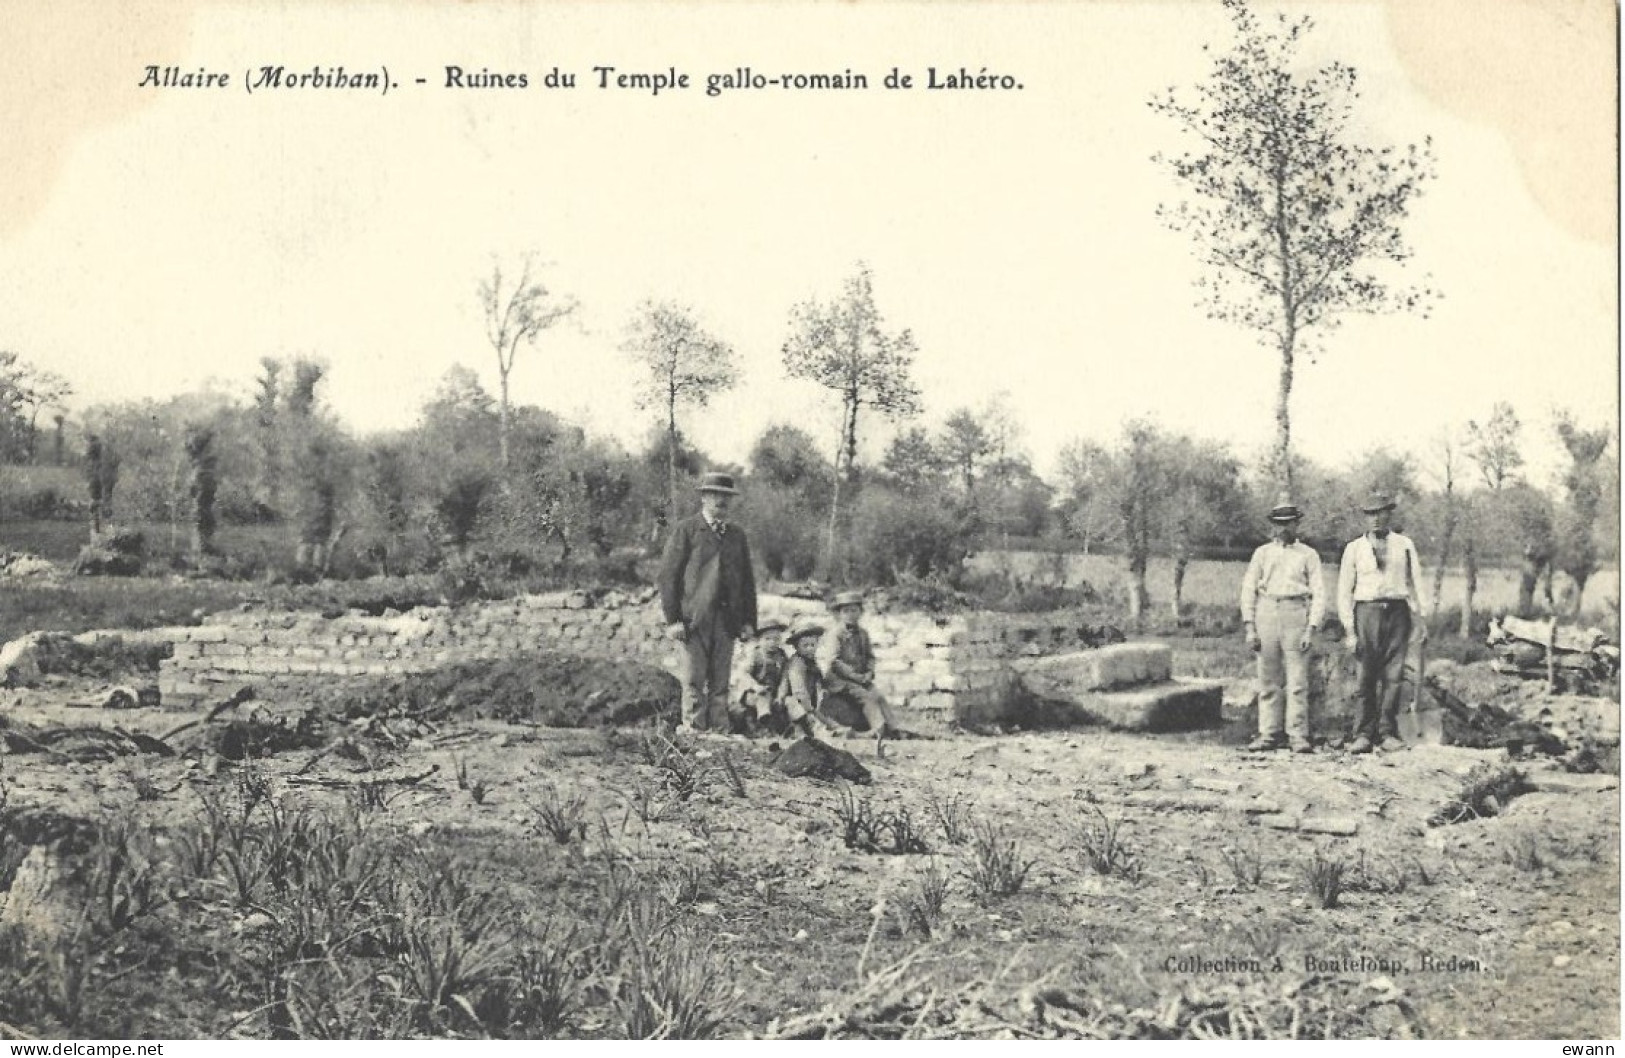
(764, 684)
(847, 660)
(803, 685)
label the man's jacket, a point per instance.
(706, 579)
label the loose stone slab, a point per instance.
(1120, 665)
(1176, 705)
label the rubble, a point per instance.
(1568, 657)
(22, 564)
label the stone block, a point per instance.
(1176, 705)
(1108, 668)
(1340, 826)
(933, 702)
(208, 634)
(904, 684)
(931, 667)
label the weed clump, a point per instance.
(1105, 850)
(892, 832)
(1325, 877)
(998, 867)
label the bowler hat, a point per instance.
(1378, 501)
(715, 482)
(772, 624)
(804, 627)
(846, 598)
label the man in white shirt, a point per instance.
(1379, 598)
(1282, 603)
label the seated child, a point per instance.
(764, 680)
(847, 661)
(803, 685)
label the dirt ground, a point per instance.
(1194, 916)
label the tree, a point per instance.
(1524, 516)
(101, 475)
(1138, 487)
(788, 457)
(1448, 463)
(204, 484)
(37, 390)
(1203, 495)
(913, 460)
(267, 404)
(1085, 472)
(514, 316)
(25, 391)
(1288, 211)
(683, 364)
(843, 346)
(1583, 486)
(1493, 446)
(965, 444)
(790, 481)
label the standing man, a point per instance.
(1379, 598)
(708, 595)
(1282, 603)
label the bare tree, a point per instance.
(1448, 462)
(1288, 211)
(514, 315)
(843, 346)
(683, 364)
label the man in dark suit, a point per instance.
(708, 594)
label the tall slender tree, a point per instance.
(1291, 215)
(843, 346)
(682, 364)
(515, 314)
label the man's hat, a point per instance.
(846, 598)
(1285, 512)
(772, 624)
(804, 627)
(714, 482)
(1378, 501)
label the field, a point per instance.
(385, 874)
(1219, 583)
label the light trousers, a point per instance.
(1283, 669)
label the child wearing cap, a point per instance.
(803, 683)
(847, 659)
(764, 682)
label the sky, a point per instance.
(157, 240)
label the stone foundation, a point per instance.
(938, 669)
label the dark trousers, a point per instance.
(1382, 634)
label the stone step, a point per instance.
(1172, 705)
(1120, 665)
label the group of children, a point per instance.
(806, 679)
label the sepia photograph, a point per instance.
(1086, 519)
